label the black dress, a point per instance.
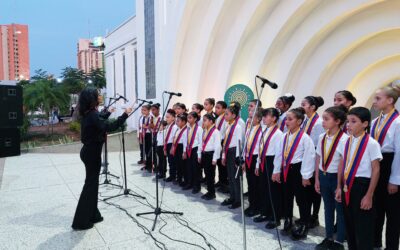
(93, 129)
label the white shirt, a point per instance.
(146, 121)
(183, 139)
(236, 139)
(281, 118)
(305, 153)
(372, 152)
(160, 137)
(251, 134)
(220, 120)
(316, 131)
(155, 119)
(197, 139)
(172, 134)
(337, 156)
(391, 143)
(242, 126)
(273, 147)
(213, 144)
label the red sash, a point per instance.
(348, 182)
(382, 135)
(207, 139)
(266, 145)
(286, 164)
(156, 126)
(220, 123)
(175, 145)
(168, 135)
(230, 136)
(147, 124)
(325, 165)
(249, 157)
(190, 144)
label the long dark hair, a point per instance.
(88, 100)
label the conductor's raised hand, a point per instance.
(128, 110)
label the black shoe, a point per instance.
(140, 162)
(287, 227)
(78, 228)
(97, 220)
(324, 245)
(337, 246)
(234, 205)
(227, 202)
(169, 179)
(272, 224)
(195, 190)
(300, 232)
(249, 212)
(187, 187)
(314, 222)
(260, 218)
(208, 196)
(181, 184)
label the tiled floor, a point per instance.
(39, 193)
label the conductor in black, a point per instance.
(93, 129)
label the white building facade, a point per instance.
(308, 47)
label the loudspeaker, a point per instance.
(11, 106)
(10, 142)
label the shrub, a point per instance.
(75, 126)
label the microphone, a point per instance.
(173, 93)
(121, 97)
(149, 102)
(266, 81)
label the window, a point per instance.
(124, 73)
(150, 65)
(136, 75)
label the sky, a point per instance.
(56, 25)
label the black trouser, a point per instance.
(251, 177)
(293, 187)
(386, 204)
(141, 151)
(148, 150)
(171, 163)
(234, 183)
(267, 189)
(314, 199)
(359, 223)
(179, 163)
(209, 169)
(222, 173)
(87, 211)
(162, 161)
(193, 170)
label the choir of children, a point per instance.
(290, 153)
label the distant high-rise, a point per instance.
(89, 55)
(14, 52)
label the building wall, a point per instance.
(89, 57)
(120, 46)
(14, 55)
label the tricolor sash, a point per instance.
(289, 150)
(176, 141)
(251, 145)
(265, 145)
(229, 136)
(282, 125)
(351, 167)
(156, 126)
(310, 123)
(247, 125)
(168, 135)
(206, 137)
(327, 158)
(378, 132)
(221, 121)
(144, 130)
(191, 136)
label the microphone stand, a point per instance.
(157, 210)
(241, 161)
(126, 190)
(105, 163)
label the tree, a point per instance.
(96, 78)
(45, 94)
(74, 80)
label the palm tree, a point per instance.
(45, 94)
